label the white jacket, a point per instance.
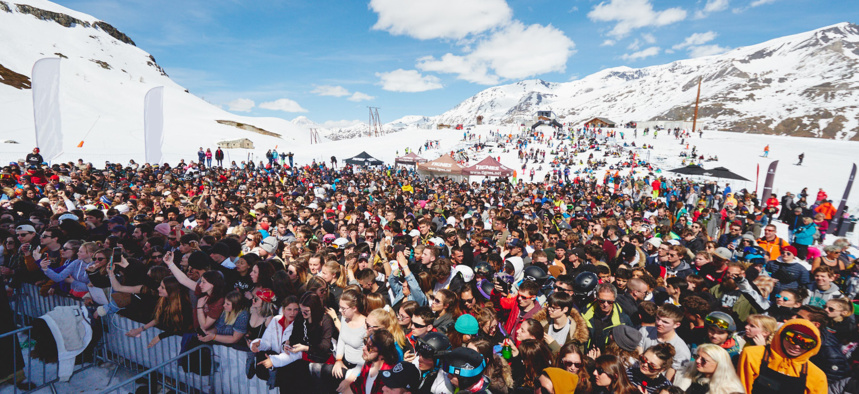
(273, 340)
(72, 333)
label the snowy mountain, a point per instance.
(801, 85)
(104, 78)
(361, 129)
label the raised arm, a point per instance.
(177, 272)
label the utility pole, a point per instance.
(695, 118)
(375, 124)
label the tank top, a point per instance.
(255, 332)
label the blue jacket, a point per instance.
(790, 276)
(830, 359)
(804, 234)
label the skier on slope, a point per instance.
(766, 151)
(801, 157)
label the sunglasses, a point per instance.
(716, 322)
(524, 297)
(798, 339)
(831, 309)
(100, 258)
(651, 366)
(468, 301)
(781, 297)
(416, 325)
(610, 302)
(568, 364)
(601, 371)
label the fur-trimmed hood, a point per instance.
(579, 335)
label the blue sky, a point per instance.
(329, 60)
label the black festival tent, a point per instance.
(724, 173)
(364, 159)
(691, 169)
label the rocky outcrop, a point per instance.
(107, 28)
(13, 79)
(4, 6)
(68, 21)
(62, 19)
(248, 127)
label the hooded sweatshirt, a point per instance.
(820, 297)
(750, 361)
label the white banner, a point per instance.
(46, 107)
(153, 124)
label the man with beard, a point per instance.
(379, 354)
(738, 294)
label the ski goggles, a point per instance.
(718, 323)
(799, 339)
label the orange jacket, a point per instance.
(773, 248)
(826, 209)
(750, 362)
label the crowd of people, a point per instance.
(380, 281)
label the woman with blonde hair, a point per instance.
(760, 330)
(712, 372)
(386, 320)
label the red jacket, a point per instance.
(773, 202)
(513, 320)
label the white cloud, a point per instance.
(707, 50)
(648, 38)
(449, 19)
(408, 81)
(696, 39)
(757, 3)
(608, 43)
(339, 124)
(633, 14)
(241, 105)
(515, 52)
(710, 7)
(642, 54)
(466, 68)
(284, 104)
(634, 45)
(358, 96)
(329, 90)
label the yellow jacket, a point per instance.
(750, 362)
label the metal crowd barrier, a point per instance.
(168, 375)
(38, 373)
(157, 364)
(29, 304)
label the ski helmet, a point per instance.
(585, 283)
(433, 345)
(483, 270)
(464, 362)
(536, 274)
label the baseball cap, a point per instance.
(402, 376)
(26, 228)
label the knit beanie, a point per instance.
(563, 381)
(626, 337)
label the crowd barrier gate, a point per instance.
(158, 364)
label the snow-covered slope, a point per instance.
(104, 78)
(802, 85)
